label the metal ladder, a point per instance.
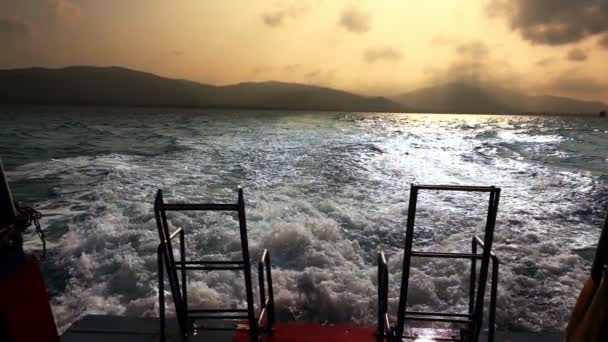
(179, 289)
(470, 323)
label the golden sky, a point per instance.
(376, 47)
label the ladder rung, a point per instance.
(456, 188)
(445, 314)
(174, 234)
(201, 206)
(216, 310)
(431, 319)
(438, 339)
(203, 316)
(211, 262)
(261, 316)
(201, 327)
(208, 268)
(446, 255)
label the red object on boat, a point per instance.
(24, 305)
(301, 332)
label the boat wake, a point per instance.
(324, 192)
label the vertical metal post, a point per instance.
(253, 328)
(493, 297)
(8, 213)
(601, 254)
(405, 275)
(382, 297)
(473, 277)
(182, 252)
(381, 308)
(161, 293)
(261, 271)
(485, 261)
(163, 229)
(270, 293)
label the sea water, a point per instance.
(324, 193)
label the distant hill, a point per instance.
(124, 87)
(459, 97)
(84, 85)
(299, 96)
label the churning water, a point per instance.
(324, 192)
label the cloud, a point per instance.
(545, 62)
(291, 67)
(14, 26)
(273, 19)
(313, 73)
(386, 53)
(471, 64)
(553, 22)
(473, 50)
(576, 55)
(444, 39)
(276, 17)
(463, 71)
(261, 70)
(66, 9)
(462, 47)
(603, 42)
(474, 64)
(355, 20)
(570, 82)
(320, 77)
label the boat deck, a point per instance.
(101, 328)
(95, 328)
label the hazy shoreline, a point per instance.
(271, 109)
(117, 86)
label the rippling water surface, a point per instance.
(324, 192)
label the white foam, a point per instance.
(323, 202)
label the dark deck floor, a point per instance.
(100, 328)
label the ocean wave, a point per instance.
(324, 193)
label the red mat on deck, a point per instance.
(299, 332)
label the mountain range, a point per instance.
(461, 97)
(116, 86)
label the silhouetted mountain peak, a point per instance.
(480, 97)
(115, 85)
(85, 85)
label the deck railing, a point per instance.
(266, 303)
(186, 317)
(384, 324)
(385, 332)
